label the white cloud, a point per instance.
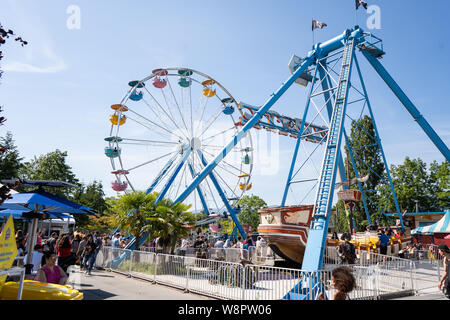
(52, 62)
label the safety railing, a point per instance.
(376, 275)
(385, 274)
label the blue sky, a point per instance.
(57, 90)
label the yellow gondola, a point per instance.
(209, 92)
(115, 119)
(242, 187)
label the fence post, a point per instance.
(156, 268)
(131, 261)
(188, 274)
(411, 266)
(243, 282)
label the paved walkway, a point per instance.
(103, 285)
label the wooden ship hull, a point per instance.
(285, 230)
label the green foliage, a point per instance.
(440, 178)
(51, 166)
(92, 196)
(249, 210)
(136, 213)
(10, 161)
(365, 152)
(412, 181)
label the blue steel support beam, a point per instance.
(257, 116)
(199, 191)
(429, 131)
(174, 175)
(391, 184)
(230, 209)
(299, 141)
(161, 174)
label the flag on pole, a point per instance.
(316, 24)
(361, 3)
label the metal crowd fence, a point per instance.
(242, 281)
(383, 274)
(255, 255)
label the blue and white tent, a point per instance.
(442, 226)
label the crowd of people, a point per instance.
(52, 256)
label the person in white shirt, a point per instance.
(183, 247)
(37, 257)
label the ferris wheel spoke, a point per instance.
(166, 135)
(210, 123)
(218, 134)
(163, 110)
(178, 106)
(157, 113)
(153, 123)
(170, 106)
(199, 124)
(149, 141)
(151, 161)
(190, 106)
(225, 162)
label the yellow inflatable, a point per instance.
(33, 290)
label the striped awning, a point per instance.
(442, 226)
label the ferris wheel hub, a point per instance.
(196, 144)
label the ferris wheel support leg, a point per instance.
(408, 105)
(254, 120)
(199, 191)
(161, 174)
(233, 212)
(187, 153)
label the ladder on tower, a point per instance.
(325, 190)
(318, 231)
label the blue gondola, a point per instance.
(136, 96)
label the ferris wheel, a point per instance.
(167, 128)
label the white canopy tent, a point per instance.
(442, 226)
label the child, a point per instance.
(343, 281)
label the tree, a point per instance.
(366, 152)
(170, 221)
(10, 161)
(440, 180)
(249, 206)
(51, 166)
(132, 212)
(413, 182)
(92, 196)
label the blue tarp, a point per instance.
(47, 202)
(17, 214)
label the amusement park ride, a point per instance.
(197, 153)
